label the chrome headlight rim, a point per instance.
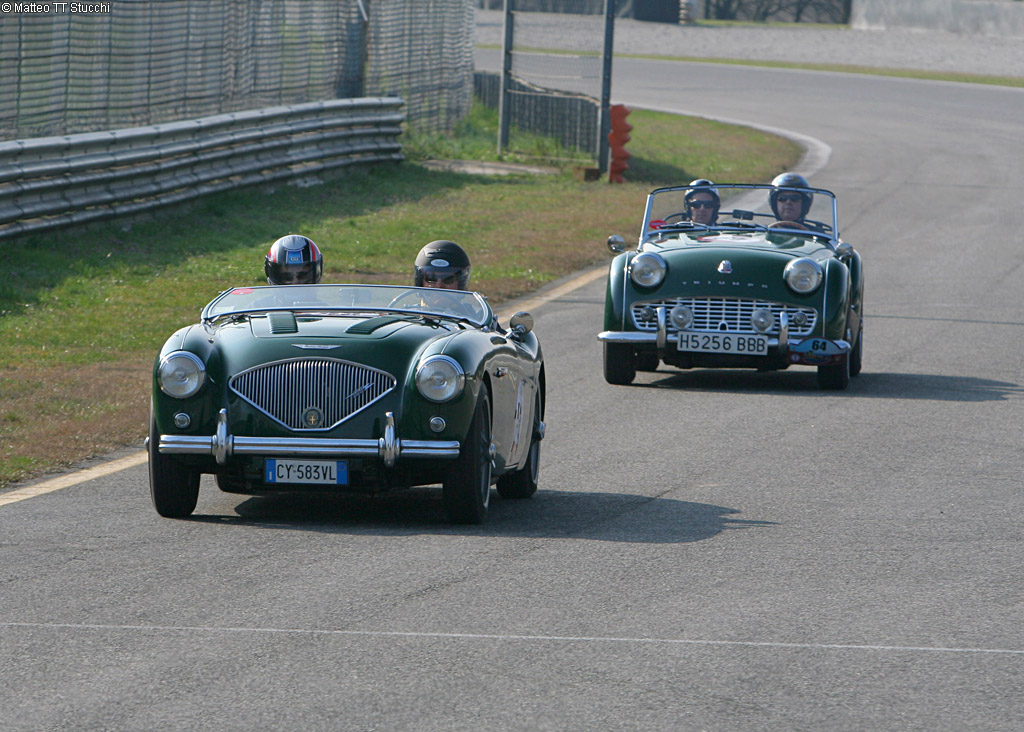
(649, 266)
(452, 372)
(803, 276)
(195, 367)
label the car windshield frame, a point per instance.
(744, 208)
(352, 299)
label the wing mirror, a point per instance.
(616, 243)
(520, 324)
(844, 249)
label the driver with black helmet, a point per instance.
(443, 264)
(702, 202)
(788, 205)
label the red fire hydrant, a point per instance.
(617, 140)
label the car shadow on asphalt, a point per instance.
(615, 517)
(803, 382)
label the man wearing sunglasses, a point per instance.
(790, 205)
(702, 202)
(442, 264)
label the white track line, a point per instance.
(513, 637)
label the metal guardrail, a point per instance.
(51, 182)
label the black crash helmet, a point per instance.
(294, 260)
(703, 185)
(442, 260)
(790, 180)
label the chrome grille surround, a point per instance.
(710, 313)
(285, 390)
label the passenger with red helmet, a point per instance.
(294, 260)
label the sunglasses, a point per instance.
(702, 204)
(439, 279)
(793, 198)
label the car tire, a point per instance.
(647, 361)
(523, 482)
(835, 377)
(619, 366)
(173, 487)
(466, 489)
(857, 354)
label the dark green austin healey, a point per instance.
(348, 388)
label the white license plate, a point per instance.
(745, 345)
(316, 472)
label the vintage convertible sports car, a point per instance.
(742, 290)
(348, 388)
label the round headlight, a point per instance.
(762, 320)
(440, 378)
(681, 317)
(647, 269)
(803, 275)
(181, 374)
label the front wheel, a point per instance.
(619, 366)
(836, 376)
(523, 482)
(857, 354)
(466, 490)
(173, 487)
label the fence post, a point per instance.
(504, 102)
(606, 85)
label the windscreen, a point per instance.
(369, 299)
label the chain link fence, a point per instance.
(555, 75)
(127, 63)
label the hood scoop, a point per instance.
(282, 323)
(368, 326)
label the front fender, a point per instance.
(837, 300)
(615, 292)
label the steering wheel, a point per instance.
(787, 225)
(409, 298)
(682, 216)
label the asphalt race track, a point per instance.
(709, 550)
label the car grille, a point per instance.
(725, 314)
(311, 394)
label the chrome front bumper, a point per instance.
(387, 448)
(807, 351)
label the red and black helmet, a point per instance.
(444, 260)
(294, 260)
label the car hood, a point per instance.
(389, 343)
(753, 269)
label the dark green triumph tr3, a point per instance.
(736, 276)
(348, 388)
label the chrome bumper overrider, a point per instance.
(388, 448)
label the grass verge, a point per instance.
(84, 311)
